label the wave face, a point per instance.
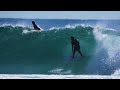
(25, 51)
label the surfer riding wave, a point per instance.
(75, 46)
(35, 26)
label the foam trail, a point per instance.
(40, 76)
(60, 71)
(30, 31)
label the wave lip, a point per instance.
(70, 26)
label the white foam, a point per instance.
(110, 42)
(116, 73)
(60, 71)
(41, 76)
(53, 28)
(70, 26)
(15, 25)
(30, 31)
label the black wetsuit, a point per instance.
(35, 27)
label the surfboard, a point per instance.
(36, 30)
(70, 58)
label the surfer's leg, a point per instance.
(73, 54)
(80, 53)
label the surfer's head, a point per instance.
(72, 38)
(33, 22)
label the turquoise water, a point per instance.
(48, 52)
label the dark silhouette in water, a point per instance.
(75, 46)
(35, 26)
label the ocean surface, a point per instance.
(29, 52)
